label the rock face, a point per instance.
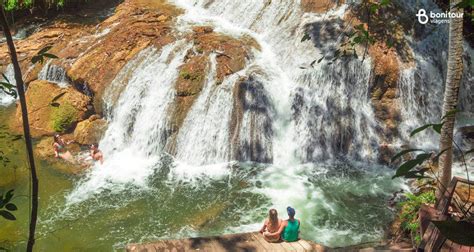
(231, 55)
(384, 91)
(134, 26)
(387, 63)
(53, 109)
(91, 53)
(319, 6)
(90, 131)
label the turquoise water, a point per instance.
(339, 204)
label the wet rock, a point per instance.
(94, 52)
(385, 154)
(135, 26)
(52, 108)
(202, 29)
(231, 55)
(90, 131)
(319, 6)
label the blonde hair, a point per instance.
(273, 217)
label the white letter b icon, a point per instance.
(422, 17)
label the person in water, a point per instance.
(96, 154)
(60, 150)
(289, 229)
(271, 225)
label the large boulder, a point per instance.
(90, 131)
(53, 109)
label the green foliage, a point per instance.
(6, 207)
(10, 5)
(466, 4)
(409, 212)
(360, 36)
(43, 53)
(190, 76)
(7, 87)
(63, 117)
(412, 168)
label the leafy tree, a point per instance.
(420, 167)
(26, 129)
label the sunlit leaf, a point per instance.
(437, 127)
(7, 85)
(7, 215)
(450, 113)
(403, 152)
(460, 232)
(373, 8)
(410, 164)
(420, 129)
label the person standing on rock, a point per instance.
(96, 154)
(60, 150)
(289, 229)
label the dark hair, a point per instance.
(56, 137)
(291, 212)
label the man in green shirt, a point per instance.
(289, 229)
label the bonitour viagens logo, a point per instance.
(437, 17)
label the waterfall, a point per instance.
(202, 138)
(310, 126)
(138, 121)
(55, 74)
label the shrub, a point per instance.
(409, 212)
(63, 117)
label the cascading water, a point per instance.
(137, 132)
(6, 99)
(55, 74)
(307, 135)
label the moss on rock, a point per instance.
(52, 108)
(63, 118)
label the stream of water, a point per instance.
(315, 128)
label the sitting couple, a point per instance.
(275, 229)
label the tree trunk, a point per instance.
(26, 129)
(453, 81)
